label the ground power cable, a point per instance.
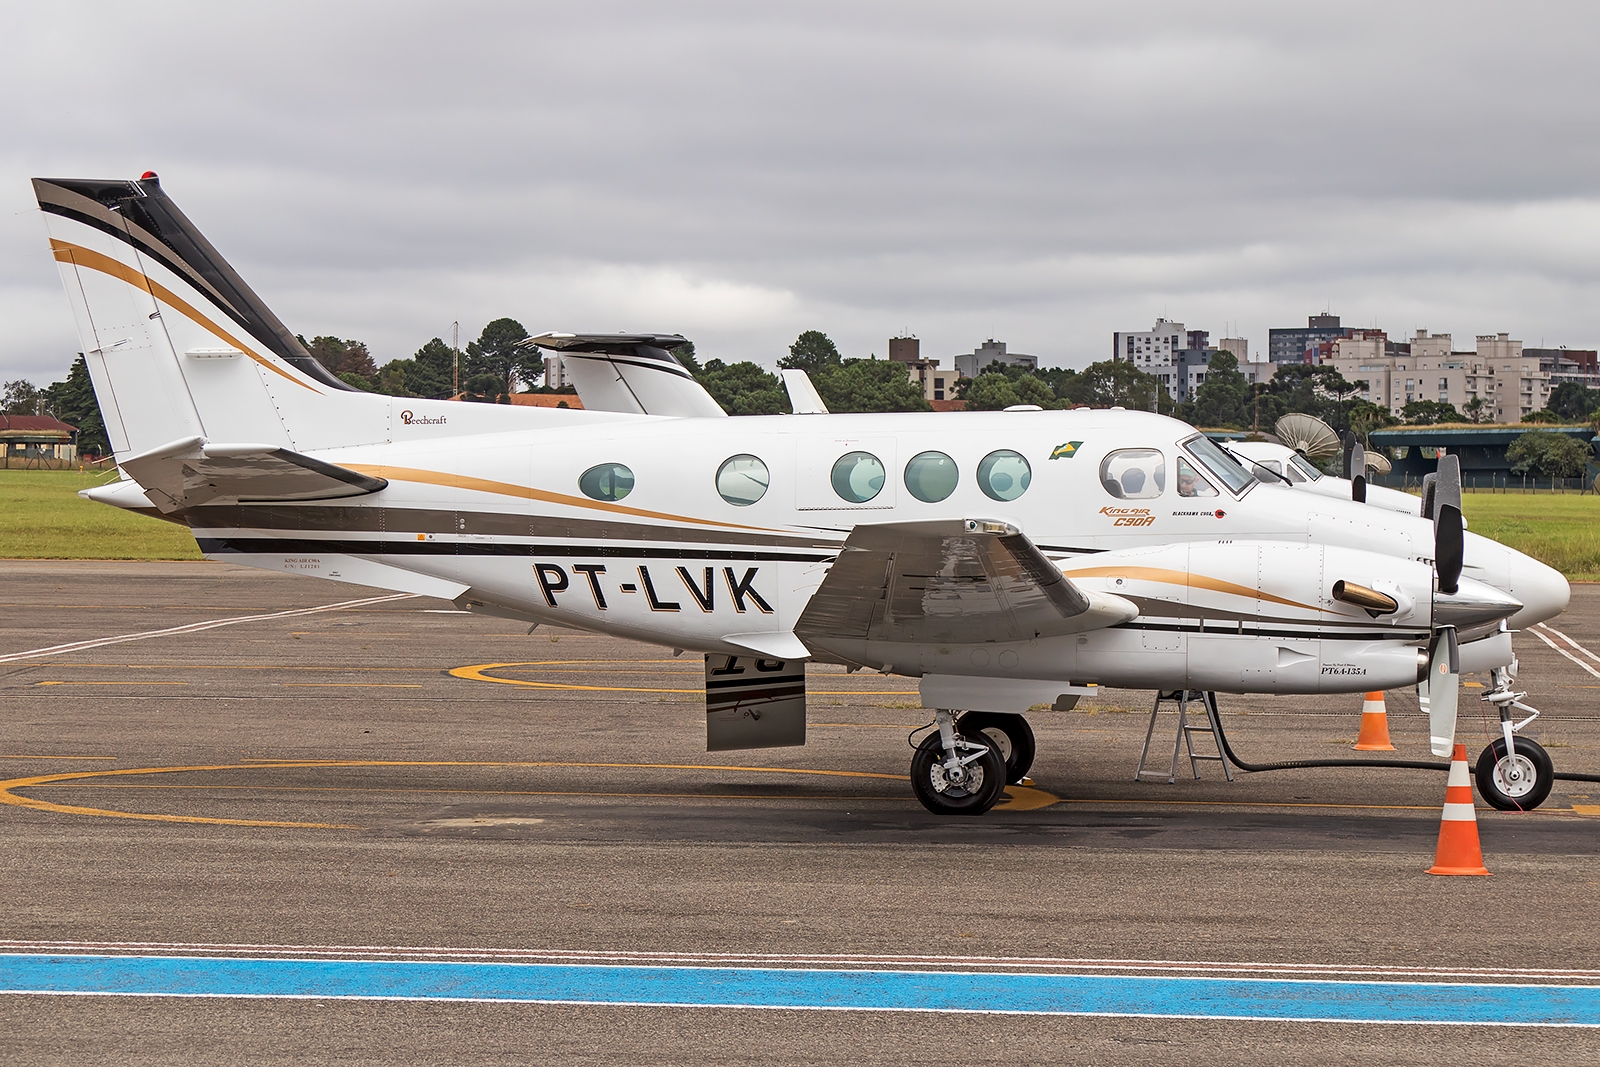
(1404, 764)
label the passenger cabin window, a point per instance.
(1004, 475)
(608, 481)
(742, 480)
(858, 477)
(931, 476)
(1134, 473)
(1190, 483)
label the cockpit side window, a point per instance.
(1190, 483)
(1305, 466)
(1134, 473)
(1221, 466)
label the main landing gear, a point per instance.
(953, 773)
(1011, 734)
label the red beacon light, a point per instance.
(147, 175)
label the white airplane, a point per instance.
(1291, 468)
(1007, 560)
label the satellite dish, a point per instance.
(1308, 435)
(1378, 462)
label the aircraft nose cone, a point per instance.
(1543, 591)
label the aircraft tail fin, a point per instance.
(176, 343)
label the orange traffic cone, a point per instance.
(1374, 726)
(1458, 851)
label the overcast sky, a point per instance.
(1040, 173)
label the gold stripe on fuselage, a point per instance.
(1183, 578)
(79, 256)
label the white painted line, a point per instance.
(1571, 642)
(1565, 653)
(196, 627)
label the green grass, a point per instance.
(42, 517)
(1561, 529)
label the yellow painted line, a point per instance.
(494, 792)
(477, 673)
(1026, 798)
(8, 797)
(1586, 809)
(122, 682)
(350, 685)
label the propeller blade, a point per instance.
(1430, 482)
(1449, 547)
(1443, 686)
(1448, 488)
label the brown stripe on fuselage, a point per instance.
(1183, 578)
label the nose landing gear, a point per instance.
(1514, 773)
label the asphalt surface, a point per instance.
(323, 779)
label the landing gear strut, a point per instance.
(1514, 773)
(1011, 734)
(953, 774)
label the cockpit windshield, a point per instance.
(1219, 463)
(1305, 466)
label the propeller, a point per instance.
(1379, 463)
(1307, 435)
(1355, 467)
(1438, 691)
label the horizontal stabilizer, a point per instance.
(192, 471)
(951, 581)
(630, 372)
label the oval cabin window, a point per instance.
(608, 481)
(742, 480)
(1004, 475)
(1134, 473)
(931, 476)
(858, 477)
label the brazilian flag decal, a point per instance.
(1066, 451)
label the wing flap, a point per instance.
(192, 471)
(951, 581)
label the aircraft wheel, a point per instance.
(1011, 734)
(1523, 790)
(973, 793)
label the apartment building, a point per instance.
(970, 365)
(1427, 368)
(1177, 356)
(924, 372)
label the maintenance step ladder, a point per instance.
(1184, 738)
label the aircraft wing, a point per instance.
(193, 471)
(948, 582)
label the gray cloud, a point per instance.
(1042, 173)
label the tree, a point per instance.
(21, 398)
(811, 352)
(72, 400)
(1572, 402)
(1312, 390)
(497, 352)
(1554, 455)
(1477, 410)
(1429, 413)
(868, 385)
(744, 388)
(343, 357)
(429, 373)
(1117, 383)
(684, 354)
(1223, 399)
(998, 388)
(1544, 416)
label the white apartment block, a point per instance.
(555, 372)
(1509, 385)
(1168, 351)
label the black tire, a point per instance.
(1011, 733)
(939, 796)
(1521, 796)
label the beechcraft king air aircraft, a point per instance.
(1005, 559)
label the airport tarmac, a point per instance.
(295, 768)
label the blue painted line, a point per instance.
(940, 991)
